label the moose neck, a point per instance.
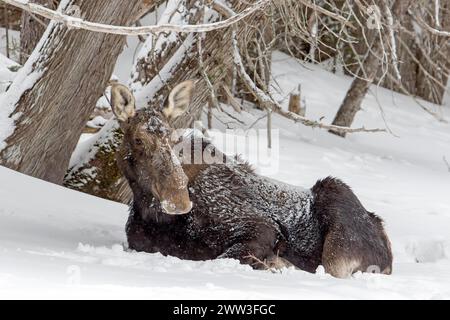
(146, 206)
(145, 203)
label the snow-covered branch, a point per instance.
(78, 23)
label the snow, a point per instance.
(97, 122)
(8, 69)
(89, 144)
(14, 40)
(58, 243)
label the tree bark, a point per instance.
(371, 65)
(56, 91)
(32, 30)
(423, 58)
(11, 17)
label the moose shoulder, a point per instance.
(225, 210)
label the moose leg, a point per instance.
(257, 247)
(355, 239)
(341, 257)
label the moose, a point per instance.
(225, 210)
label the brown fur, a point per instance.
(365, 245)
(236, 213)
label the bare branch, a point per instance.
(78, 23)
(425, 25)
(323, 11)
(269, 103)
(446, 163)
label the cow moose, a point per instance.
(225, 210)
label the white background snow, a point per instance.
(57, 243)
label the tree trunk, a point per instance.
(371, 65)
(98, 173)
(32, 30)
(358, 90)
(53, 95)
(33, 27)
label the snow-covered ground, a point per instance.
(57, 243)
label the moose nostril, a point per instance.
(172, 209)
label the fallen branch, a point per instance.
(73, 22)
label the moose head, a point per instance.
(146, 157)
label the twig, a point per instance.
(391, 38)
(425, 25)
(323, 11)
(232, 117)
(140, 37)
(266, 100)
(262, 263)
(269, 129)
(421, 105)
(256, 121)
(270, 103)
(200, 37)
(78, 23)
(446, 162)
(231, 99)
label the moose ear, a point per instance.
(179, 99)
(122, 102)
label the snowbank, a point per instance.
(57, 243)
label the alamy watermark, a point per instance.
(251, 146)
